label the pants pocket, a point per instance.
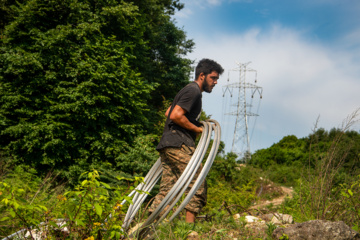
(187, 150)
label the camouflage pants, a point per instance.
(174, 162)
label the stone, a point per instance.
(251, 219)
(237, 216)
(257, 229)
(317, 230)
(193, 235)
(267, 217)
(279, 218)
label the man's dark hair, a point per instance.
(206, 66)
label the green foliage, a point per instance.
(287, 160)
(286, 152)
(284, 175)
(217, 227)
(92, 209)
(284, 237)
(223, 168)
(231, 182)
(351, 201)
(79, 80)
(270, 229)
(326, 188)
(175, 230)
(242, 196)
(140, 158)
(24, 197)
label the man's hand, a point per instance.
(200, 129)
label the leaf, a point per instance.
(16, 205)
(79, 222)
(52, 223)
(70, 213)
(4, 219)
(12, 213)
(350, 192)
(6, 201)
(84, 182)
(98, 209)
(105, 185)
(345, 194)
(112, 234)
(221, 230)
(43, 207)
(117, 235)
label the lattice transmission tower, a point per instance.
(243, 109)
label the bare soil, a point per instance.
(282, 191)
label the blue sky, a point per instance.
(306, 54)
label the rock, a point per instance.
(193, 235)
(257, 229)
(279, 218)
(251, 219)
(236, 216)
(317, 230)
(267, 217)
(248, 218)
(35, 234)
(135, 228)
(38, 234)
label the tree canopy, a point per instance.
(79, 80)
(286, 159)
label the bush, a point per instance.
(92, 210)
(236, 197)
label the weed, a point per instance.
(270, 229)
(79, 214)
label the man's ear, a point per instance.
(202, 76)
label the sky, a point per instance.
(306, 54)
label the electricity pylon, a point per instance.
(241, 133)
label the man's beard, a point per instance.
(206, 87)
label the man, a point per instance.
(181, 128)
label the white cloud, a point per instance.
(301, 80)
(184, 13)
(214, 2)
(202, 4)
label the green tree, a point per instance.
(78, 79)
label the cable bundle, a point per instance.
(180, 186)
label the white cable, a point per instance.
(186, 177)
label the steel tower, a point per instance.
(241, 133)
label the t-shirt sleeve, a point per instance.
(188, 98)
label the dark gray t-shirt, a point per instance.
(190, 99)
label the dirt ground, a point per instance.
(283, 191)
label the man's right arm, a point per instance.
(167, 112)
(178, 116)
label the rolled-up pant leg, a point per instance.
(174, 162)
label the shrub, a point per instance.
(80, 213)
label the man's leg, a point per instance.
(174, 162)
(190, 217)
(168, 180)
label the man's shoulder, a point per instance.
(192, 88)
(193, 85)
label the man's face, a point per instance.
(210, 81)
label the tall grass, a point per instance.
(320, 193)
